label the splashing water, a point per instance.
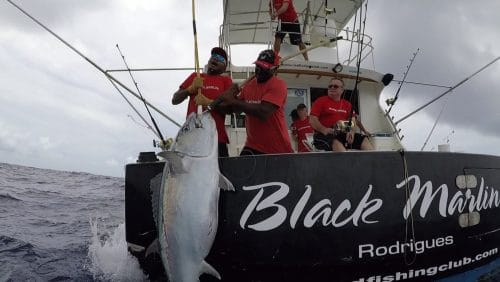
(109, 257)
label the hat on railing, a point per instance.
(267, 59)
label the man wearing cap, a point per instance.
(212, 84)
(262, 99)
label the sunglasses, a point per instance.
(219, 58)
(334, 86)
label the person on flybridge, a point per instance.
(262, 99)
(212, 84)
(289, 23)
(327, 116)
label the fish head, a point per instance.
(197, 137)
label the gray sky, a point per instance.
(57, 111)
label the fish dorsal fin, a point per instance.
(154, 187)
(174, 161)
(207, 268)
(154, 247)
(224, 183)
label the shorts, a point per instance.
(293, 29)
(324, 142)
(223, 152)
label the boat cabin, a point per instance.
(249, 23)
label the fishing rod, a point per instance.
(140, 94)
(447, 91)
(196, 57)
(109, 76)
(362, 26)
(393, 100)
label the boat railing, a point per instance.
(261, 30)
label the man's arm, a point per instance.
(261, 111)
(232, 104)
(180, 96)
(360, 125)
(314, 121)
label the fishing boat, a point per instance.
(382, 215)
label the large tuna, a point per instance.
(185, 206)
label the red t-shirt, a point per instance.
(268, 136)
(213, 86)
(300, 128)
(329, 111)
(289, 15)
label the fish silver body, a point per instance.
(187, 216)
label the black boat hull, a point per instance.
(355, 216)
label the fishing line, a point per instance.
(434, 126)
(140, 94)
(109, 76)
(132, 106)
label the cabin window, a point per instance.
(295, 96)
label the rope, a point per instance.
(409, 222)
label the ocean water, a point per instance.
(63, 226)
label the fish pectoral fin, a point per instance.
(153, 248)
(174, 161)
(207, 268)
(224, 183)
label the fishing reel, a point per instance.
(163, 144)
(344, 125)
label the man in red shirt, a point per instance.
(326, 112)
(301, 127)
(212, 84)
(285, 12)
(262, 99)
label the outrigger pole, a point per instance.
(447, 91)
(93, 64)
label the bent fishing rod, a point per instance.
(109, 76)
(158, 132)
(447, 91)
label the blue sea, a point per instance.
(63, 226)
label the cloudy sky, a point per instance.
(58, 112)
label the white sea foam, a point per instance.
(110, 260)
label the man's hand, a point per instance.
(327, 130)
(202, 100)
(230, 94)
(350, 137)
(197, 83)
